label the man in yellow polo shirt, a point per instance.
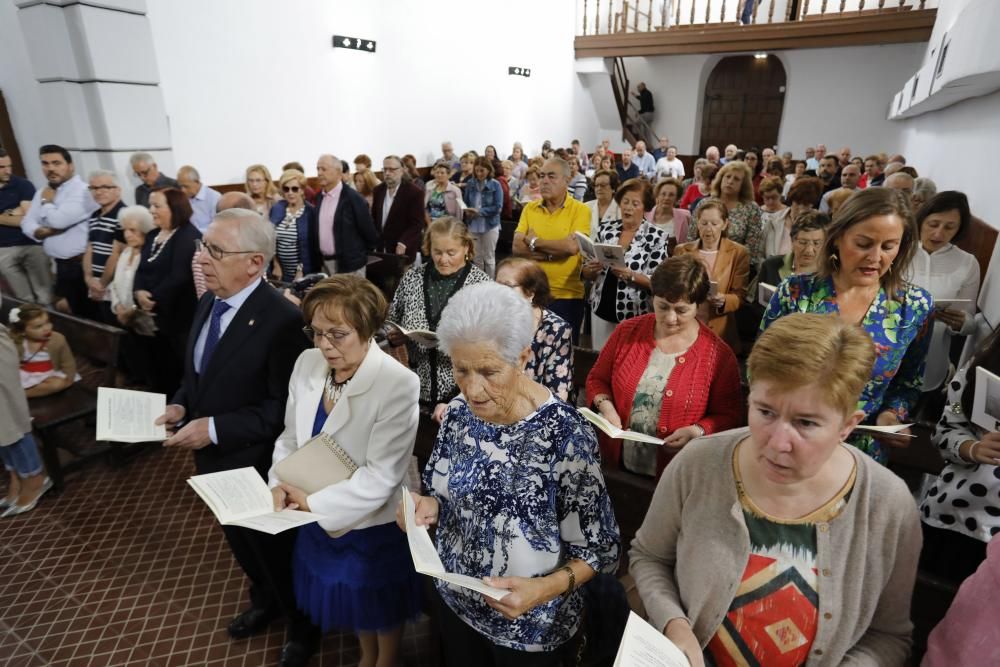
(545, 234)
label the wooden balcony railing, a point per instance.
(609, 17)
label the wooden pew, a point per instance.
(95, 347)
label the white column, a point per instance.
(99, 83)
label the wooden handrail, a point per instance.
(634, 16)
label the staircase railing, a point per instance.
(605, 17)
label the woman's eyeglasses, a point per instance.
(290, 188)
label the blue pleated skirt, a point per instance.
(363, 581)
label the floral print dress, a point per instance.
(900, 330)
(520, 500)
(551, 361)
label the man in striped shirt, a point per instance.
(105, 241)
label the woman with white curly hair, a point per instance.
(514, 485)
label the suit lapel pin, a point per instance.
(251, 322)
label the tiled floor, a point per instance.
(127, 567)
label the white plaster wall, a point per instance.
(836, 96)
(17, 81)
(250, 81)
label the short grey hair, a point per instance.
(337, 162)
(567, 170)
(254, 232)
(141, 157)
(190, 172)
(398, 159)
(925, 187)
(488, 313)
(902, 178)
(140, 215)
(104, 173)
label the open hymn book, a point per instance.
(608, 254)
(615, 432)
(421, 337)
(643, 646)
(426, 559)
(240, 497)
(124, 415)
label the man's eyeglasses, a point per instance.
(95, 188)
(217, 253)
(143, 173)
(290, 188)
(332, 337)
(805, 243)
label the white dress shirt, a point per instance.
(235, 302)
(69, 209)
(949, 273)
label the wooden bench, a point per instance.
(95, 347)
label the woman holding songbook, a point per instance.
(666, 374)
(860, 278)
(352, 570)
(728, 264)
(777, 544)
(947, 272)
(621, 292)
(514, 486)
(422, 294)
(961, 509)
(808, 233)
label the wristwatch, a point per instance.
(531, 243)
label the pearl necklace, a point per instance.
(334, 389)
(159, 245)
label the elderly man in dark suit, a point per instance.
(345, 229)
(398, 210)
(230, 408)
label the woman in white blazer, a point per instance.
(352, 570)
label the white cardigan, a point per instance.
(375, 421)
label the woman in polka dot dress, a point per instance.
(961, 509)
(619, 293)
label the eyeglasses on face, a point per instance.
(96, 188)
(217, 253)
(332, 337)
(807, 243)
(290, 188)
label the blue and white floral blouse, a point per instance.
(551, 360)
(900, 331)
(520, 500)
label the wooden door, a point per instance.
(744, 97)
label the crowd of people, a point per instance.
(660, 273)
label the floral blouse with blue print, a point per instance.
(520, 500)
(900, 330)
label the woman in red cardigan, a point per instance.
(666, 374)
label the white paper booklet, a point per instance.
(643, 646)
(953, 304)
(421, 337)
(426, 559)
(124, 415)
(894, 429)
(608, 254)
(986, 402)
(615, 432)
(764, 293)
(240, 497)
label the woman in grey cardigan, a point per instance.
(777, 544)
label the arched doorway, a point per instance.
(744, 97)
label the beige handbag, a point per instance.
(316, 465)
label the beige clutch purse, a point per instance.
(316, 465)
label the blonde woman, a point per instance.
(261, 189)
(296, 230)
